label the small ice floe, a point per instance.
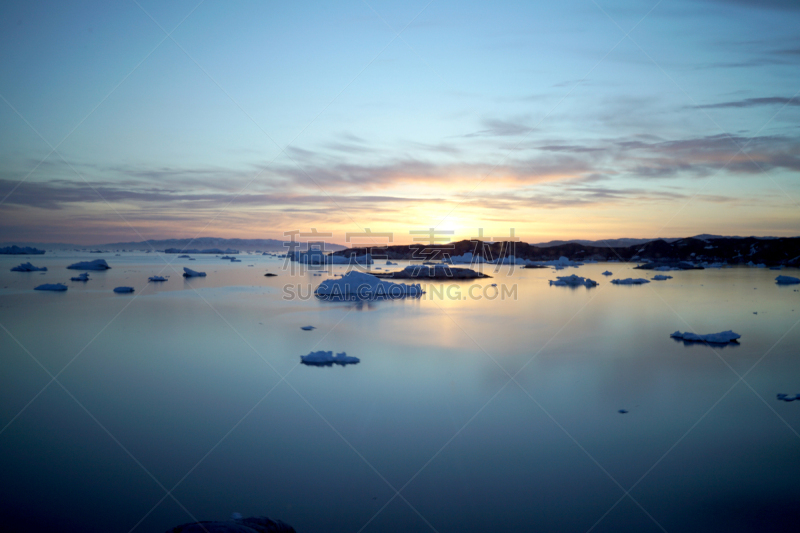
(787, 280)
(81, 277)
(184, 256)
(723, 337)
(123, 290)
(622, 411)
(661, 277)
(362, 285)
(27, 267)
(494, 284)
(51, 287)
(230, 257)
(97, 264)
(156, 278)
(321, 358)
(236, 260)
(573, 281)
(270, 274)
(189, 273)
(607, 273)
(307, 328)
(389, 263)
(788, 397)
(630, 281)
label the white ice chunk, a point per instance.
(786, 280)
(321, 358)
(97, 264)
(723, 337)
(661, 277)
(157, 278)
(607, 273)
(189, 273)
(81, 277)
(307, 328)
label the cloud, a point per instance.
(500, 128)
(753, 102)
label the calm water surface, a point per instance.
(194, 387)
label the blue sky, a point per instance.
(581, 119)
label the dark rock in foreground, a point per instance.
(256, 524)
(441, 272)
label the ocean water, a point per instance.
(495, 410)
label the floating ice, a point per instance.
(27, 267)
(189, 273)
(184, 256)
(723, 337)
(123, 290)
(622, 411)
(573, 281)
(389, 263)
(307, 328)
(466, 259)
(157, 278)
(24, 250)
(365, 285)
(97, 264)
(607, 273)
(227, 257)
(630, 281)
(81, 277)
(661, 277)
(788, 397)
(786, 280)
(321, 358)
(51, 287)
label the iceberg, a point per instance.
(437, 271)
(607, 273)
(184, 256)
(227, 257)
(123, 290)
(318, 257)
(661, 277)
(364, 285)
(51, 287)
(17, 250)
(321, 358)
(788, 397)
(573, 281)
(97, 264)
(787, 280)
(723, 337)
(81, 277)
(465, 259)
(156, 278)
(629, 281)
(27, 267)
(189, 273)
(389, 263)
(307, 328)
(206, 251)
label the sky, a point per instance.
(586, 119)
